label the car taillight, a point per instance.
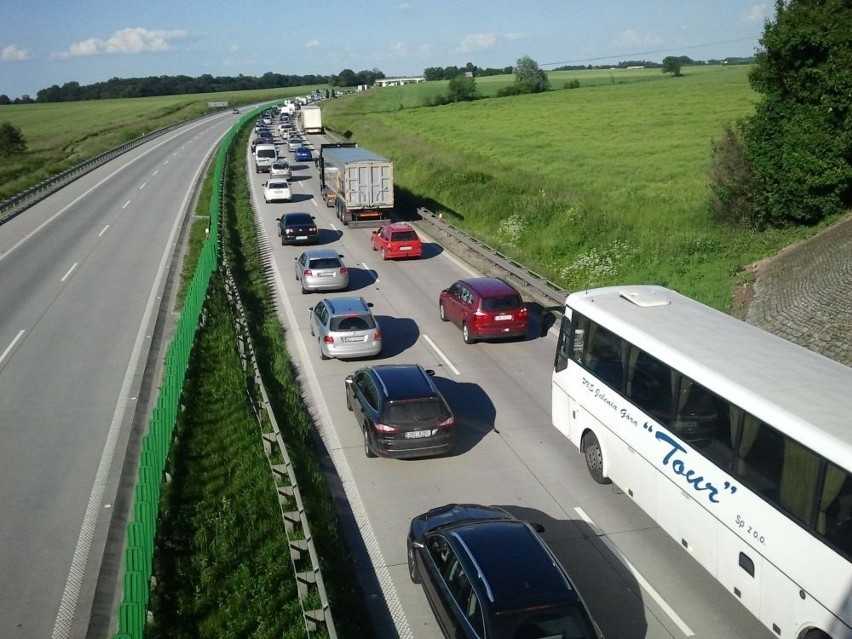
(342, 270)
(385, 428)
(308, 272)
(522, 314)
(328, 339)
(447, 423)
(479, 316)
(377, 336)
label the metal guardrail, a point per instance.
(17, 204)
(532, 282)
(304, 560)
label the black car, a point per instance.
(298, 228)
(400, 411)
(489, 574)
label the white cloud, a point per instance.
(756, 14)
(402, 6)
(126, 41)
(14, 53)
(399, 50)
(478, 42)
(631, 38)
(311, 44)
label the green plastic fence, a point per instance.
(141, 531)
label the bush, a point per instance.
(12, 141)
(734, 189)
(572, 84)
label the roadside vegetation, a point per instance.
(222, 565)
(61, 135)
(604, 184)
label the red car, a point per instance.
(484, 308)
(396, 240)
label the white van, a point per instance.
(264, 156)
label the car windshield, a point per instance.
(504, 303)
(324, 262)
(404, 236)
(569, 622)
(406, 411)
(352, 323)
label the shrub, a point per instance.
(734, 189)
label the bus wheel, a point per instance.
(816, 633)
(594, 457)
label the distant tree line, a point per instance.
(683, 60)
(349, 78)
(164, 85)
(448, 73)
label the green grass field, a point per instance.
(598, 185)
(60, 135)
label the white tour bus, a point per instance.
(736, 442)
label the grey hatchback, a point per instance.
(321, 270)
(345, 327)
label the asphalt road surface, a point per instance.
(81, 275)
(637, 580)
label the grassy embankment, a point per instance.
(222, 563)
(62, 134)
(604, 184)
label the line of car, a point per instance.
(485, 573)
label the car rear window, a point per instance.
(353, 323)
(504, 303)
(298, 219)
(571, 622)
(404, 236)
(266, 153)
(415, 410)
(324, 262)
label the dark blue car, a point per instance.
(303, 154)
(489, 574)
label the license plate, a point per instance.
(301, 237)
(324, 274)
(418, 434)
(354, 339)
(501, 318)
(404, 248)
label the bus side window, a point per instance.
(834, 519)
(649, 385)
(604, 357)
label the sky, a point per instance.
(53, 42)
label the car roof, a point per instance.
(400, 226)
(514, 566)
(298, 217)
(490, 286)
(343, 305)
(404, 381)
(321, 252)
(277, 180)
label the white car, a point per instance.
(294, 143)
(280, 168)
(277, 190)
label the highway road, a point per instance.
(637, 581)
(81, 279)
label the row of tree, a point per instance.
(448, 73)
(791, 162)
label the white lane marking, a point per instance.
(333, 227)
(440, 354)
(65, 615)
(103, 230)
(142, 186)
(643, 583)
(32, 234)
(336, 452)
(367, 268)
(155, 172)
(126, 204)
(12, 345)
(69, 271)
